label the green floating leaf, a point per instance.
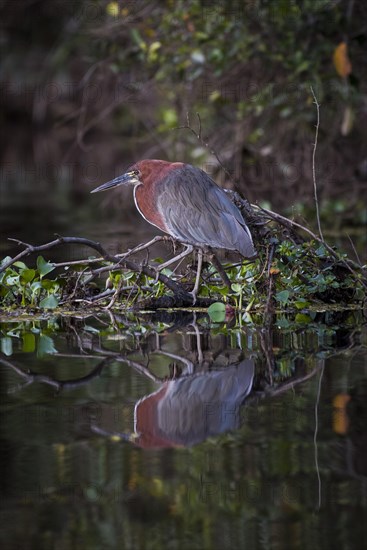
(7, 346)
(50, 302)
(43, 266)
(217, 312)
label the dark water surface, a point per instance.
(168, 432)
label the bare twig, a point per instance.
(355, 251)
(199, 137)
(314, 164)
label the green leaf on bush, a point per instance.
(282, 296)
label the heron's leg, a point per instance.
(218, 266)
(189, 249)
(198, 275)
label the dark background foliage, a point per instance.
(90, 86)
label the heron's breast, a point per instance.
(146, 203)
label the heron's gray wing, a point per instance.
(199, 212)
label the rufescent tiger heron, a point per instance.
(184, 202)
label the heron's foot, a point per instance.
(194, 294)
(157, 272)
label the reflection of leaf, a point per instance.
(45, 346)
(340, 416)
(7, 346)
(341, 60)
(217, 312)
(29, 342)
(301, 304)
(347, 123)
(302, 318)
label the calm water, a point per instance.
(165, 431)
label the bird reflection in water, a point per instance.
(188, 410)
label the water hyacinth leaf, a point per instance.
(48, 285)
(43, 266)
(12, 280)
(282, 296)
(21, 265)
(27, 275)
(217, 312)
(236, 287)
(5, 260)
(36, 285)
(50, 302)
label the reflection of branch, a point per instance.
(286, 386)
(142, 369)
(58, 384)
(315, 434)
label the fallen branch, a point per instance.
(182, 296)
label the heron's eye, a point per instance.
(136, 173)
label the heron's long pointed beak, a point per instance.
(126, 179)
